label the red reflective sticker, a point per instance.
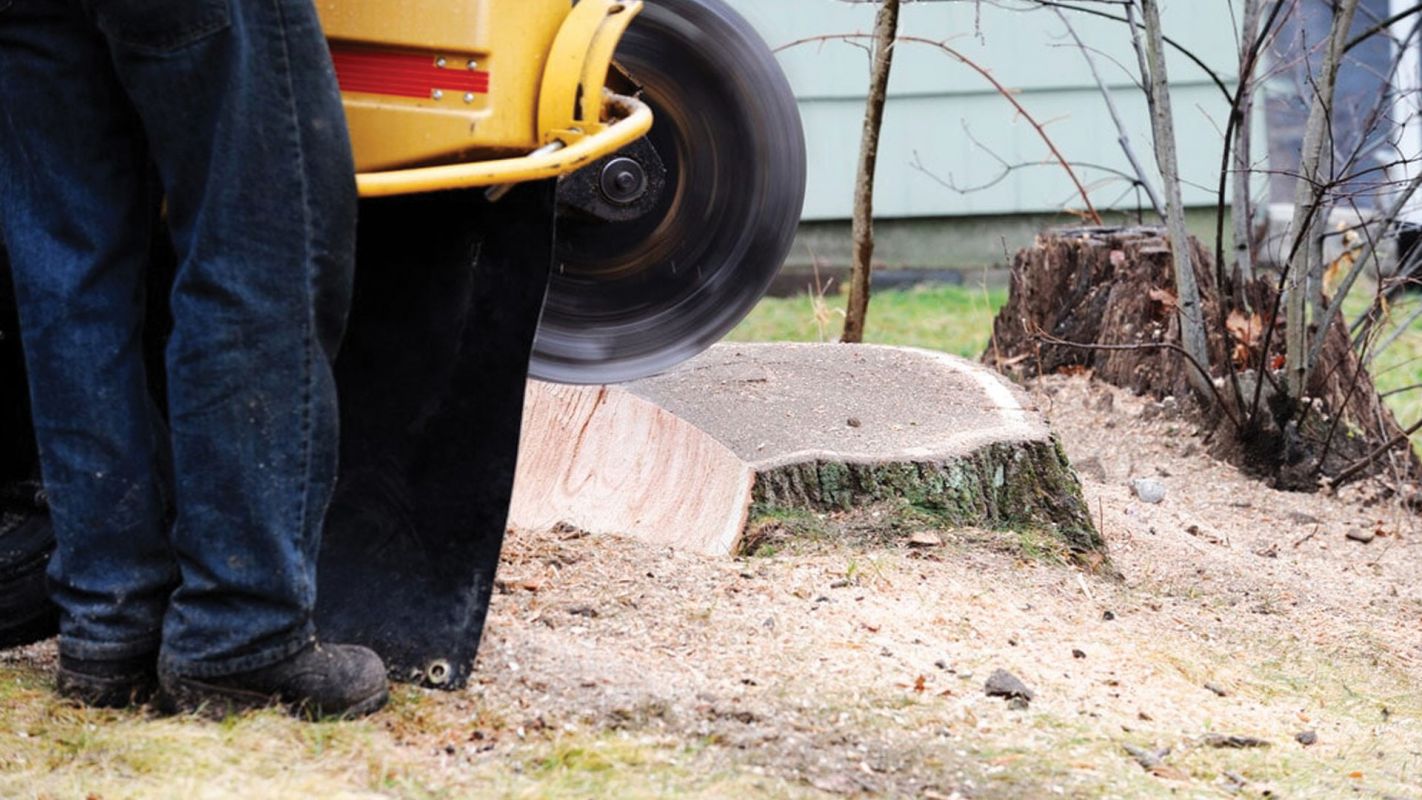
(403, 74)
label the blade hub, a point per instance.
(623, 181)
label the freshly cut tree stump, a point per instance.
(686, 459)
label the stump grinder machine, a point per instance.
(585, 191)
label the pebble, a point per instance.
(1002, 683)
(1307, 738)
(1362, 536)
(925, 539)
(1149, 490)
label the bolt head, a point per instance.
(441, 62)
(468, 97)
(437, 94)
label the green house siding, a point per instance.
(946, 123)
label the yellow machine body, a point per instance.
(449, 94)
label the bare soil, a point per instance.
(851, 662)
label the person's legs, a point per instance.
(76, 210)
(244, 119)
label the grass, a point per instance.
(952, 319)
(419, 749)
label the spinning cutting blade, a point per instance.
(634, 298)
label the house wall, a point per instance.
(946, 124)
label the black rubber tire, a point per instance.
(632, 299)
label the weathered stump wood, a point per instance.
(686, 459)
(1109, 294)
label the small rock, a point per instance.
(1307, 738)
(1149, 490)
(1108, 616)
(584, 611)
(1234, 742)
(941, 664)
(1301, 518)
(855, 423)
(1002, 683)
(925, 539)
(1362, 536)
(1078, 653)
(1148, 759)
(1018, 703)
(1217, 689)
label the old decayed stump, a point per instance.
(692, 458)
(1078, 289)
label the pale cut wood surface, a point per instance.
(606, 461)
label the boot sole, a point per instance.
(105, 692)
(187, 696)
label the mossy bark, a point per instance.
(1007, 485)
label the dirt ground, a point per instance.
(1247, 620)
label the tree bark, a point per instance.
(1243, 206)
(886, 30)
(1187, 288)
(1309, 205)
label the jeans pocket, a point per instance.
(160, 26)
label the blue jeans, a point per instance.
(229, 111)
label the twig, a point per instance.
(1123, 137)
(1187, 290)
(1367, 460)
(1006, 93)
(1042, 336)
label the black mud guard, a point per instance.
(449, 290)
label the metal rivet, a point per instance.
(473, 64)
(439, 672)
(440, 62)
(468, 97)
(437, 94)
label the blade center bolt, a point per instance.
(623, 181)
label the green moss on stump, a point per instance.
(1006, 486)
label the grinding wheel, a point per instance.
(632, 298)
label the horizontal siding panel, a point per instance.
(938, 105)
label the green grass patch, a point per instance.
(953, 319)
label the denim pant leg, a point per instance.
(241, 107)
(76, 214)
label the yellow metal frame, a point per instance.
(546, 111)
(548, 162)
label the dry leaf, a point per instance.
(1165, 297)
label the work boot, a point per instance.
(323, 681)
(118, 683)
